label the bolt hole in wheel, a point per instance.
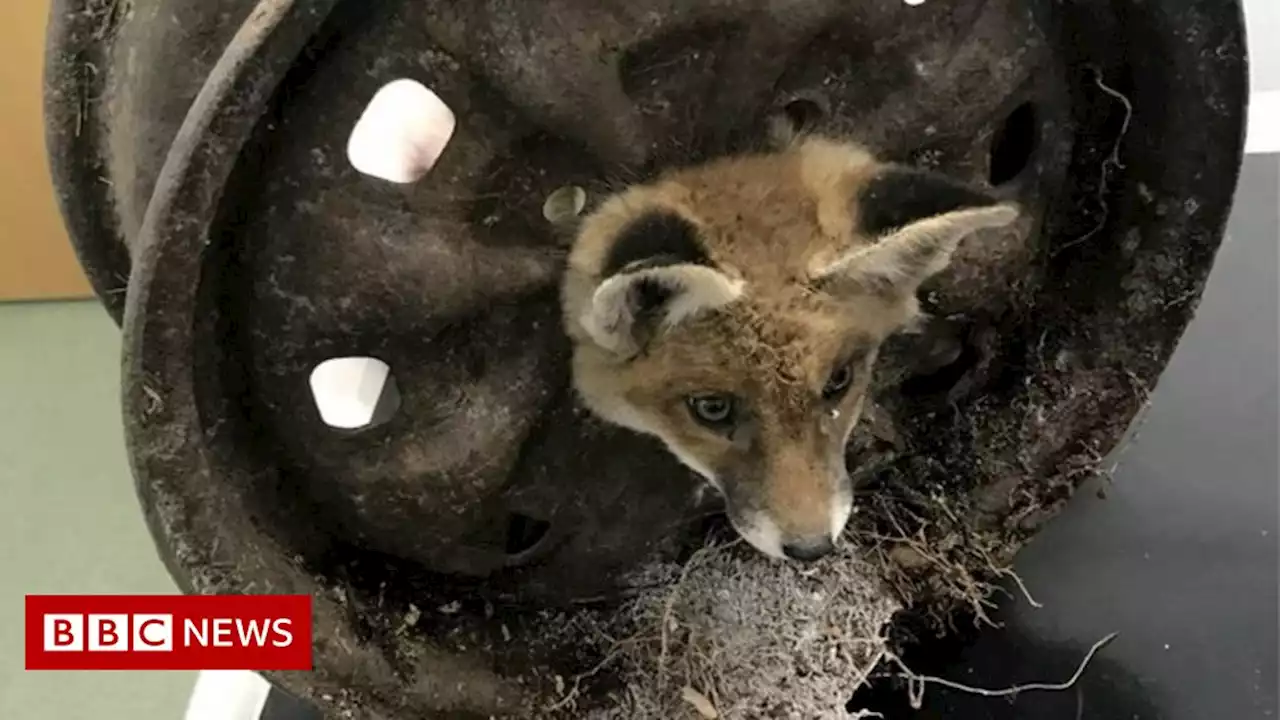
(354, 393)
(524, 533)
(1013, 145)
(402, 133)
(803, 114)
(564, 205)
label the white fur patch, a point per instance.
(841, 510)
(402, 133)
(763, 534)
(701, 296)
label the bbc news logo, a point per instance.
(154, 633)
(168, 632)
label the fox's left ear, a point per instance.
(916, 219)
(629, 308)
(655, 275)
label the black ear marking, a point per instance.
(649, 295)
(653, 240)
(899, 196)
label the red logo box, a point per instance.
(168, 632)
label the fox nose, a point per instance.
(809, 549)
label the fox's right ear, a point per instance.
(915, 219)
(632, 306)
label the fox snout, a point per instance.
(809, 549)
(794, 522)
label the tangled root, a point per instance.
(733, 634)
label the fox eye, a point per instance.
(712, 410)
(838, 382)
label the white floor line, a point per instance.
(227, 695)
(1264, 123)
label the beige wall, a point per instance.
(36, 260)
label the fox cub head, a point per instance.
(734, 310)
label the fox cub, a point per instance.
(734, 311)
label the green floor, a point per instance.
(69, 521)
